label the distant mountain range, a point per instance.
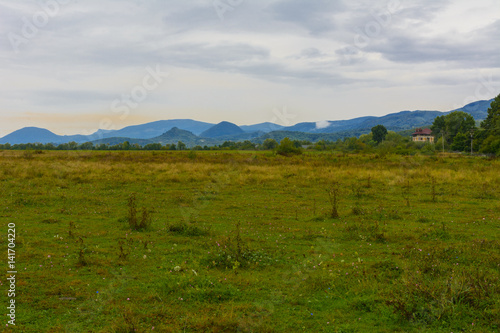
(193, 132)
(222, 129)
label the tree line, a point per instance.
(457, 131)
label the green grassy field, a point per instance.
(246, 242)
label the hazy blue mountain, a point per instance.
(262, 127)
(240, 137)
(327, 126)
(479, 109)
(39, 135)
(100, 134)
(395, 121)
(172, 136)
(175, 135)
(191, 140)
(224, 128)
(117, 140)
(156, 128)
(400, 121)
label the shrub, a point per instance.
(269, 144)
(333, 195)
(235, 253)
(182, 228)
(133, 220)
(287, 148)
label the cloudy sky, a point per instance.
(74, 66)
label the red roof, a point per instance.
(422, 131)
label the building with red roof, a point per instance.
(423, 135)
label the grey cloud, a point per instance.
(245, 59)
(86, 41)
(314, 15)
(350, 56)
(450, 80)
(70, 98)
(421, 11)
(476, 49)
(214, 57)
(279, 73)
(311, 53)
(183, 20)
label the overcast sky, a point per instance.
(73, 66)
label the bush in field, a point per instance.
(269, 144)
(436, 296)
(183, 228)
(287, 148)
(234, 253)
(133, 220)
(333, 195)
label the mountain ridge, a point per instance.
(207, 133)
(224, 128)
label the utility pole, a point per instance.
(442, 137)
(471, 138)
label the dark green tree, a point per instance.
(269, 144)
(379, 132)
(320, 145)
(438, 127)
(49, 146)
(228, 145)
(181, 145)
(87, 146)
(126, 145)
(461, 142)
(72, 145)
(452, 124)
(489, 134)
(353, 144)
(63, 146)
(153, 146)
(247, 145)
(287, 148)
(459, 122)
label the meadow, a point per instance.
(251, 242)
